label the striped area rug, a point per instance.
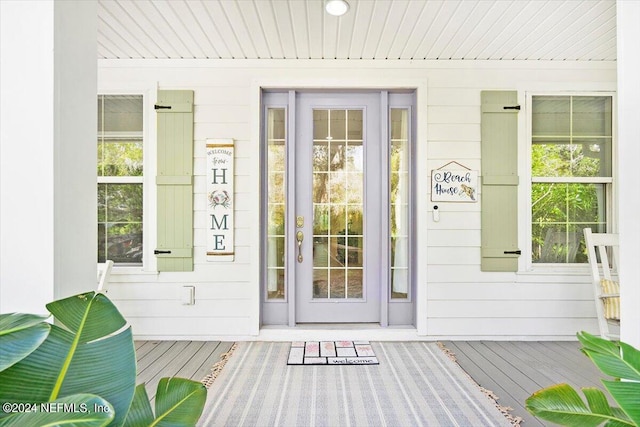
(415, 384)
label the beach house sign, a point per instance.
(454, 184)
(220, 202)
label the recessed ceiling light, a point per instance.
(336, 7)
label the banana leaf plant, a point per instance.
(81, 370)
(563, 405)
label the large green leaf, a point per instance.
(90, 316)
(618, 360)
(179, 402)
(20, 334)
(12, 322)
(597, 401)
(95, 355)
(561, 404)
(140, 413)
(627, 394)
(82, 410)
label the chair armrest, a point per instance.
(605, 296)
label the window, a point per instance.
(276, 198)
(399, 202)
(571, 171)
(120, 178)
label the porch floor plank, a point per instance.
(154, 350)
(144, 347)
(200, 364)
(516, 357)
(162, 365)
(484, 372)
(551, 364)
(578, 369)
(195, 351)
(186, 359)
(513, 370)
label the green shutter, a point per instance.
(499, 223)
(175, 180)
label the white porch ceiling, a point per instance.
(571, 30)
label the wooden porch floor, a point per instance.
(511, 370)
(186, 359)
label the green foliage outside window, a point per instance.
(120, 223)
(559, 213)
(120, 157)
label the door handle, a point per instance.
(299, 238)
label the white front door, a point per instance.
(338, 226)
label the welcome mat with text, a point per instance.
(331, 353)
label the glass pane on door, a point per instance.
(338, 186)
(399, 201)
(276, 157)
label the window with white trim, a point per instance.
(120, 178)
(571, 174)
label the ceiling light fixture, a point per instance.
(336, 7)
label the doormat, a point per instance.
(331, 353)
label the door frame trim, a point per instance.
(419, 85)
(384, 219)
(290, 211)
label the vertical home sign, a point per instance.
(220, 202)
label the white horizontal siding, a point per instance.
(448, 114)
(457, 238)
(222, 113)
(501, 291)
(224, 308)
(454, 132)
(533, 327)
(161, 291)
(458, 300)
(450, 255)
(207, 328)
(471, 274)
(511, 309)
(453, 220)
(460, 150)
(471, 163)
(222, 95)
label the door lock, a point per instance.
(299, 221)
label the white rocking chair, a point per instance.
(606, 289)
(104, 271)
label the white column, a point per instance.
(628, 34)
(48, 82)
